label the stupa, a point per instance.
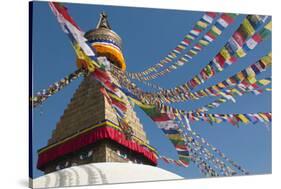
(89, 131)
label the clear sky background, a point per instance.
(148, 35)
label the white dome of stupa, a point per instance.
(103, 173)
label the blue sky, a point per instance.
(148, 35)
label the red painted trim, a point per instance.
(91, 137)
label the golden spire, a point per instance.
(103, 22)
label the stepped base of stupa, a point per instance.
(103, 173)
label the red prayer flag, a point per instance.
(257, 37)
(162, 117)
(220, 59)
(238, 37)
(63, 11)
(211, 14)
(227, 18)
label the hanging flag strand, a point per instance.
(239, 91)
(243, 79)
(199, 28)
(224, 21)
(43, 95)
(228, 55)
(222, 155)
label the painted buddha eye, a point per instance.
(90, 153)
(118, 152)
(58, 167)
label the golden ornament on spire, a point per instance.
(106, 42)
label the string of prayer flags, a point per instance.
(236, 47)
(199, 147)
(240, 82)
(165, 118)
(166, 122)
(225, 20)
(219, 166)
(260, 66)
(234, 119)
(237, 92)
(172, 132)
(118, 104)
(180, 93)
(198, 28)
(201, 162)
(227, 56)
(222, 155)
(117, 69)
(155, 86)
(173, 161)
(43, 95)
(244, 78)
(112, 92)
(202, 154)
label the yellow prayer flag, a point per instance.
(222, 100)
(221, 85)
(224, 52)
(264, 81)
(116, 97)
(181, 47)
(240, 52)
(234, 90)
(192, 51)
(140, 104)
(78, 51)
(192, 96)
(216, 30)
(215, 88)
(243, 118)
(197, 80)
(190, 37)
(240, 76)
(203, 93)
(202, 24)
(175, 137)
(203, 42)
(269, 54)
(218, 121)
(248, 27)
(82, 56)
(252, 79)
(268, 26)
(173, 54)
(212, 117)
(90, 63)
(267, 59)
